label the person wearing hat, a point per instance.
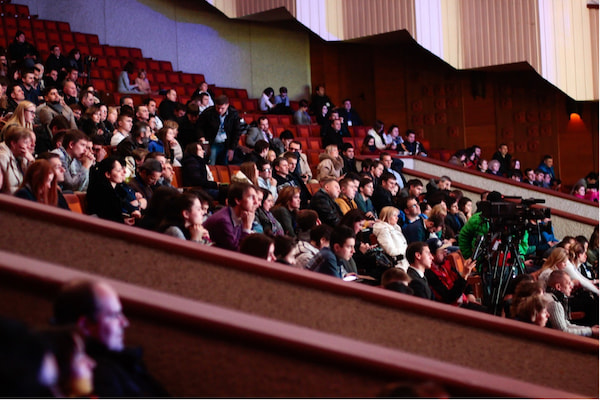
(478, 225)
(448, 284)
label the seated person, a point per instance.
(560, 286)
(231, 224)
(323, 202)
(330, 260)
(306, 250)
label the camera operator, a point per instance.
(478, 226)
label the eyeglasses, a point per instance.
(266, 169)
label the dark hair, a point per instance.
(269, 91)
(306, 219)
(261, 145)
(303, 103)
(256, 244)
(128, 67)
(237, 191)
(319, 232)
(413, 249)
(351, 217)
(76, 299)
(286, 134)
(73, 135)
(221, 100)
(340, 234)
(387, 176)
(283, 246)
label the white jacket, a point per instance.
(391, 239)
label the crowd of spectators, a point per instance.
(365, 223)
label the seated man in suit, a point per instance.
(323, 202)
(420, 258)
(262, 131)
(382, 195)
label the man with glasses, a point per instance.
(265, 178)
(304, 166)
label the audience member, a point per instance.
(184, 218)
(323, 202)
(330, 260)
(382, 196)
(39, 184)
(301, 116)
(262, 131)
(363, 198)
(265, 103)
(560, 287)
(320, 99)
(504, 158)
(220, 125)
(349, 116)
(259, 245)
(15, 157)
(390, 236)
(330, 163)
(96, 310)
(286, 207)
(412, 146)
(419, 258)
(230, 225)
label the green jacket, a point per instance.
(478, 225)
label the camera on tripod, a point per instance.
(512, 216)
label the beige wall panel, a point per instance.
(593, 15)
(451, 33)
(499, 32)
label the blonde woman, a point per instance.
(24, 116)
(390, 237)
(330, 163)
(556, 261)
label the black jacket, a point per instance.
(122, 374)
(329, 212)
(193, 173)
(209, 123)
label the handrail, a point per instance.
(263, 332)
(256, 266)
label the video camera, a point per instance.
(88, 60)
(512, 216)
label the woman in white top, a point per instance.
(265, 100)
(389, 235)
(377, 132)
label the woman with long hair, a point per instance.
(184, 219)
(248, 172)
(142, 82)
(109, 197)
(123, 83)
(377, 132)
(389, 235)
(23, 116)
(556, 261)
(90, 121)
(288, 203)
(40, 184)
(330, 163)
(164, 143)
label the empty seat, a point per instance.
(315, 130)
(153, 65)
(122, 52)
(53, 37)
(285, 120)
(109, 51)
(303, 131)
(141, 65)
(303, 143)
(66, 37)
(250, 105)
(135, 53)
(84, 50)
(242, 93)
(215, 173)
(173, 77)
(63, 26)
(198, 79)
(273, 120)
(50, 26)
(223, 174)
(24, 24)
(80, 38)
(236, 103)
(96, 51)
(166, 66)
(92, 39)
(230, 92)
(22, 10)
(186, 79)
(101, 63)
(38, 25)
(114, 63)
(314, 143)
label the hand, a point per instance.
(136, 214)
(364, 247)
(101, 155)
(87, 160)
(528, 263)
(197, 232)
(469, 266)
(247, 219)
(143, 203)
(230, 155)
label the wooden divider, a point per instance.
(201, 350)
(306, 299)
